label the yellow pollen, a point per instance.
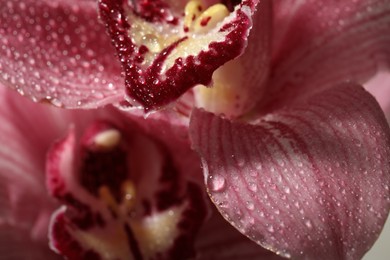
(200, 22)
(129, 193)
(106, 195)
(210, 18)
(191, 12)
(108, 139)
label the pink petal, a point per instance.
(16, 244)
(220, 241)
(27, 130)
(58, 52)
(171, 129)
(307, 181)
(23, 201)
(162, 79)
(320, 43)
(379, 87)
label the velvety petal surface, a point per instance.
(320, 43)
(379, 87)
(218, 240)
(171, 129)
(25, 206)
(17, 243)
(58, 52)
(307, 181)
(164, 53)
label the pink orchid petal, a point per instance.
(16, 243)
(23, 200)
(27, 130)
(171, 129)
(25, 206)
(321, 43)
(220, 241)
(379, 87)
(154, 82)
(58, 52)
(307, 181)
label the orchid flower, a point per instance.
(115, 190)
(298, 162)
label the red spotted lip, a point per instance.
(151, 87)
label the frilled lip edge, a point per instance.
(307, 181)
(158, 216)
(157, 82)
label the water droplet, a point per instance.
(217, 183)
(222, 204)
(271, 228)
(258, 165)
(357, 142)
(240, 162)
(253, 186)
(250, 205)
(308, 223)
(253, 173)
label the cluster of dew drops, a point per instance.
(51, 52)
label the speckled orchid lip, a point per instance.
(118, 205)
(167, 48)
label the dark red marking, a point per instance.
(100, 167)
(132, 242)
(205, 21)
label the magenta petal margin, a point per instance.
(308, 181)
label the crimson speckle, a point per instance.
(205, 21)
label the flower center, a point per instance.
(127, 203)
(108, 139)
(157, 37)
(198, 21)
(120, 205)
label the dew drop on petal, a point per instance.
(216, 183)
(250, 205)
(271, 228)
(253, 186)
(240, 162)
(308, 223)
